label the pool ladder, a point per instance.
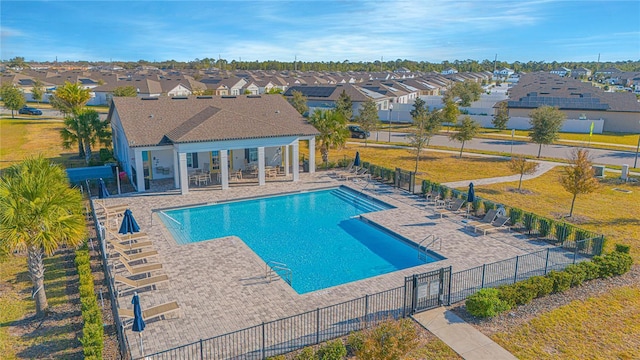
(275, 270)
(422, 249)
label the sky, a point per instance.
(324, 30)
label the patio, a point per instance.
(220, 285)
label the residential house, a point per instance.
(448, 71)
(561, 71)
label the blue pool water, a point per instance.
(318, 235)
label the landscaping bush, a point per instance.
(93, 331)
(332, 350)
(590, 268)
(488, 205)
(529, 221)
(444, 192)
(615, 263)
(106, 155)
(623, 248)
(277, 357)
(476, 205)
(544, 227)
(515, 215)
(561, 280)
(543, 285)
(426, 184)
(306, 354)
(355, 342)
(578, 274)
(486, 303)
(562, 232)
(519, 293)
(390, 340)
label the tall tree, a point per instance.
(17, 62)
(420, 137)
(344, 105)
(523, 167)
(333, 131)
(299, 102)
(37, 91)
(12, 98)
(70, 99)
(368, 117)
(467, 92)
(546, 122)
(87, 128)
(39, 213)
(466, 131)
(578, 178)
(502, 116)
(125, 91)
(450, 112)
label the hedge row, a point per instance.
(490, 302)
(93, 331)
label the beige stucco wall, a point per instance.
(627, 122)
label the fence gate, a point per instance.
(427, 291)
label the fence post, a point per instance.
(263, 341)
(450, 280)
(414, 294)
(575, 252)
(366, 310)
(202, 351)
(317, 325)
(515, 276)
(404, 300)
(546, 263)
(483, 268)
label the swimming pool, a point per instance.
(317, 234)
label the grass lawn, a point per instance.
(436, 166)
(20, 138)
(56, 337)
(602, 327)
(614, 213)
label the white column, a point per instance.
(139, 171)
(286, 160)
(184, 176)
(296, 161)
(176, 170)
(261, 176)
(224, 169)
(312, 155)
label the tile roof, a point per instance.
(198, 119)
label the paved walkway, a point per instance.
(463, 338)
(542, 168)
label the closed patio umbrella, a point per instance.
(471, 197)
(102, 189)
(138, 321)
(356, 161)
(129, 225)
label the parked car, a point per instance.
(29, 111)
(357, 132)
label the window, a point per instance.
(192, 160)
(251, 155)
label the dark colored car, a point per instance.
(357, 132)
(29, 111)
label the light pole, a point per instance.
(635, 162)
(389, 118)
(513, 133)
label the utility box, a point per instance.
(625, 172)
(598, 170)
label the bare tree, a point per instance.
(523, 167)
(578, 178)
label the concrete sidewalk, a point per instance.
(543, 167)
(463, 338)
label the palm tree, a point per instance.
(86, 127)
(69, 99)
(333, 131)
(39, 212)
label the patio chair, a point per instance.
(159, 311)
(452, 208)
(356, 172)
(487, 219)
(124, 284)
(361, 174)
(500, 222)
(126, 247)
(135, 256)
(140, 269)
(122, 239)
(337, 172)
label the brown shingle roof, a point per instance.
(192, 119)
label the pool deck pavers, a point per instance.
(220, 285)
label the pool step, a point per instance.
(358, 200)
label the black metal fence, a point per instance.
(296, 332)
(467, 282)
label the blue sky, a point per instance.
(434, 31)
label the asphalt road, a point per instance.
(598, 156)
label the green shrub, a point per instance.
(519, 293)
(476, 205)
(591, 269)
(92, 340)
(543, 285)
(515, 215)
(355, 342)
(332, 350)
(277, 357)
(106, 155)
(562, 232)
(581, 234)
(444, 192)
(390, 340)
(306, 354)
(529, 221)
(426, 185)
(621, 248)
(615, 263)
(561, 280)
(486, 303)
(544, 227)
(488, 205)
(578, 274)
